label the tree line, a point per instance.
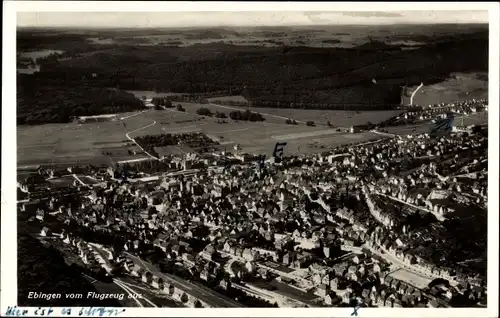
(160, 102)
(247, 115)
(48, 104)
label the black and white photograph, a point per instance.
(268, 159)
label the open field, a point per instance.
(193, 107)
(62, 182)
(235, 98)
(88, 180)
(56, 143)
(73, 143)
(338, 118)
(150, 94)
(459, 87)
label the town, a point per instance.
(395, 222)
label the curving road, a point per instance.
(414, 92)
(133, 293)
(135, 142)
(130, 293)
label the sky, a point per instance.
(243, 19)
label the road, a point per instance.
(36, 200)
(438, 217)
(80, 181)
(118, 288)
(228, 268)
(135, 142)
(414, 92)
(211, 297)
(126, 117)
(133, 293)
(371, 207)
(382, 133)
(134, 160)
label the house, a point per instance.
(326, 279)
(238, 252)
(288, 258)
(158, 282)
(408, 300)
(334, 283)
(353, 276)
(322, 290)
(128, 265)
(317, 279)
(328, 300)
(346, 298)
(227, 247)
(410, 290)
(137, 271)
(225, 284)
(352, 269)
(402, 288)
(204, 274)
(394, 284)
(86, 257)
(188, 258)
(170, 289)
(248, 254)
(250, 267)
(45, 231)
(40, 214)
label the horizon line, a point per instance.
(245, 26)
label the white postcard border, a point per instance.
(8, 216)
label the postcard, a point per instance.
(234, 159)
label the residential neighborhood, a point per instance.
(392, 223)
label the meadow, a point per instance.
(86, 143)
(458, 87)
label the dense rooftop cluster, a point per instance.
(335, 225)
(420, 114)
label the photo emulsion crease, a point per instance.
(313, 163)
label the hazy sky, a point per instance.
(249, 18)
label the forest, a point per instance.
(60, 104)
(371, 76)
